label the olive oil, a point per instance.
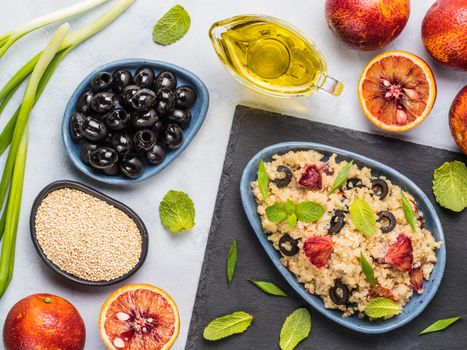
(270, 56)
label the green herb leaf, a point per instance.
(440, 325)
(341, 177)
(450, 185)
(368, 270)
(363, 216)
(408, 211)
(289, 206)
(269, 288)
(177, 211)
(228, 325)
(263, 181)
(296, 327)
(382, 307)
(231, 261)
(292, 220)
(309, 211)
(172, 26)
(276, 213)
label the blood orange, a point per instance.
(397, 90)
(139, 317)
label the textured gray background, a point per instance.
(255, 129)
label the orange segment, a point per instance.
(139, 317)
(397, 90)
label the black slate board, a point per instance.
(255, 129)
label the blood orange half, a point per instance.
(139, 317)
(397, 90)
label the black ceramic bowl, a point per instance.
(81, 187)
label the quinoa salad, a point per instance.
(325, 254)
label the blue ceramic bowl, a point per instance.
(416, 304)
(198, 112)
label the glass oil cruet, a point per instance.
(271, 56)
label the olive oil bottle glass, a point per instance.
(271, 56)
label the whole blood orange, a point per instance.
(444, 33)
(139, 317)
(367, 24)
(458, 119)
(397, 90)
(44, 322)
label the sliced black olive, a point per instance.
(380, 188)
(103, 157)
(181, 117)
(288, 246)
(121, 79)
(117, 119)
(282, 182)
(122, 143)
(143, 100)
(101, 82)
(131, 166)
(75, 126)
(103, 102)
(86, 149)
(144, 139)
(128, 93)
(340, 293)
(173, 136)
(165, 102)
(84, 101)
(354, 182)
(185, 96)
(165, 80)
(387, 218)
(144, 77)
(337, 222)
(93, 129)
(155, 155)
(144, 119)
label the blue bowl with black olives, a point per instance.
(129, 119)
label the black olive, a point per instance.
(75, 126)
(282, 182)
(165, 80)
(173, 136)
(143, 100)
(131, 166)
(159, 127)
(144, 139)
(122, 143)
(144, 77)
(337, 222)
(288, 246)
(165, 102)
(144, 119)
(340, 293)
(380, 188)
(185, 96)
(93, 129)
(121, 79)
(84, 100)
(117, 119)
(101, 82)
(155, 155)
(128, 93)
(86, 149)
(181, 117)
(103, 102)
(354, 182)
(388, 218)
(103, 157)
(112, 170)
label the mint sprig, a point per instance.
(227, 325)
(363, 216)
(304, 211)
(177, 211)
(450, 185)
(382, 307)
(263, 181)
(408, 211)
(341, 177)
(232, 261)
(296, 328)
(440, 325)
(269, 288)
(172, 26)
(368, 270)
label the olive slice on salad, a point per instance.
(337, 222)
(287, 176)
(339, 293)
(288, 246)
(354, 182)
(388, 220)
(380, 188)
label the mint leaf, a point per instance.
(296, 327)
(269, 288)
(292, 220)
(228, 325)
(367, 270)
(172, 26)
(263, 181)
(382, 307)
(177, 211)
(289, 206)
(309, 211)
(450, 185)
(440, 325)
(276, 213)
(408, 211)
(231, 261)
(341, 177)
(363, 217)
